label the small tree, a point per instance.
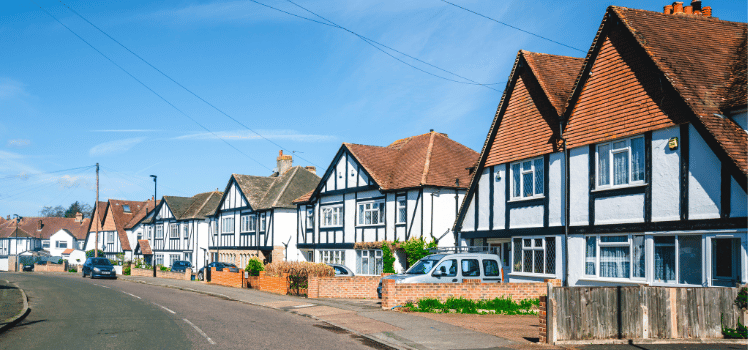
(90, 253)
(254, 266)
(415, 249)
(388, 258)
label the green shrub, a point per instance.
(742, 300)
(126, 271)
(254, 266)
(90, 253)
(163, 268)
(416, 248)
(388, 259)
(299, 268)
(505, 306)
(72, 270)
(741, 331)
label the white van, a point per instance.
(451, 268)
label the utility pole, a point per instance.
(153, 256)
(15, 242)
(98, 219)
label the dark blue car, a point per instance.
(98, 267)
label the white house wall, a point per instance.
(499, 197)
(555, 190)
(738, 200)
(665, 176)
(703, 179)
(619, 209)
(61, 236)
(233, 198)
(579, 186)
(468, 224)
(285, 232)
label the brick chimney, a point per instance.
(668, 10)
(78, 217)
(688, 10)
(285, 162)
(677, 7)
(694, 9)
(706, 11)
(311, 169)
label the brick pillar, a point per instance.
(312, 291)
(542, 317)
(389, 297)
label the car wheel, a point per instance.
(91, 275)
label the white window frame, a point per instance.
(611, 152)
(227, 224)
(522, 171)
(160, 231)
(110, 237)
(331, 216)
(159, 259)
(531, 250)
(173, 230)
(249, 223)
(45, 244)
(186, 231)
(332, 256)
(58, 244)
(362, 214)
(372, 256)
(629, 244)
(173, 258)
(263, 222)
(309, 217)
(401, 203)
(677, 268)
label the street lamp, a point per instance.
(153, 257)
(15, 242)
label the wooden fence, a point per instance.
(640, 312)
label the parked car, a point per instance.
(27, 267)
(180, 265)
(450, 268)
(219, 266)
(342, 270)
(98, 267)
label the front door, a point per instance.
(725, 262)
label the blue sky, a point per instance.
(305, 86)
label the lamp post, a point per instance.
(153, 257)
(15, 242)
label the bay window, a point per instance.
(332, 216)
(369, 262)
(249, 223)
(536, 255)
(620, 163)
(371, 213)
(527, 178)
(621, 256)
(227, 224)
(332, 256)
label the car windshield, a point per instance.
(229, 265)
(100, 262)
(422, 267)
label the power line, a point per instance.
(179, 84)
(147, 87)
(45, 173)
(513, 27)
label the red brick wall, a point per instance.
(356, 287)
(226, 278)
(272, 284)
(394, 294)
(187, 275)
(51, 267)
(543, 329)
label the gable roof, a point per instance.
(29, 227)
(144, 246)
(122, 218)
(141, 214)
(198, 206)
(430, 159)
(702, 59)
(265, 192)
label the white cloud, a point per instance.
(115, 147)
(10, 89)
(287, 135)
(18, 143)
(67, 181)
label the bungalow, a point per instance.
(256, 216)
(655, 135)
(52, 235)
(182, 228)
(411, 188)
(109, 219)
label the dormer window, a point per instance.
(126, 208)
(527, 178)
(620, 163)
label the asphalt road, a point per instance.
(70, 312)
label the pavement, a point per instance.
(13, 304)
(363, 317)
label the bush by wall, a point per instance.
(254, 266)
(501, 305)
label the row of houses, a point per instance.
(627, 166)
(46, 236)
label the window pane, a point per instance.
(620, 168)
(550, 255)
(490, 268)
(528, 242)
(603, 168)
(590, 255)
(515, 180)
(664, 264)
(539, 176)
(527, 185)
(527, 261)
(538, 255)
(619, 145)
(360, 214)
(517, 255)
(613, 239)
(638, 256)
(470, 268)
(614, 262)
(689, 256)
(637, 159)
(367, 219)
(538, 242)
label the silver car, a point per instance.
(451, 268)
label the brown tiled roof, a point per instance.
(122, 218)
(142, 213)
(29, 227)
(703, 59)
(265, 192)
(303, 199)
(145, 247)
(528, 126)
(67, 251)
(431, 159)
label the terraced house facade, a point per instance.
(626, 167)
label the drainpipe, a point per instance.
(566, 203)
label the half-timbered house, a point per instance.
(656, 142)
(256, 216)
(111, 217)
(411, 188)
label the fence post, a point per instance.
(550, 317)
(645, 312)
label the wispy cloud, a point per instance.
(125, 130)
(287, 135)
(115, 147)
(10, 89)
(18, 143)
(67, 181)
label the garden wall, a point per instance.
(355, 287)
(272, 284)
(51, 267)
(394, 294)
(186, 275)
(227, 278)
